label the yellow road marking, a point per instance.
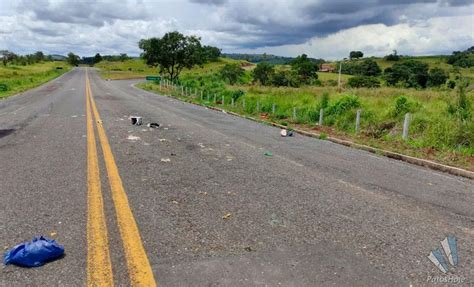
(139, 268)
(99, 267)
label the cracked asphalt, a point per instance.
(211, 208)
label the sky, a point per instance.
(327, 29)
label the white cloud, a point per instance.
(438, 35)
(323, 28)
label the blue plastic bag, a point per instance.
(35, 253)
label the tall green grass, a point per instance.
(434, 132)
(21, 78)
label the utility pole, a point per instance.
(339, 79)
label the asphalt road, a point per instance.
(210, 208)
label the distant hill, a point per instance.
(56, 57)
(269, 58)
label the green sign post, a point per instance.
(153, 78)
(3, 87)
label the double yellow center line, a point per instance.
(99, 267)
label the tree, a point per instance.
(211, 54)
(7, 56)
(285, 78)
(461, 59)
(263, 73)
(97, 58)
(355, 55)
(363, 82)
(437, 77)
(39, 56)
(123, 57)
(73, 59)
(305, 68)
(232, 73)
(392, 57)
(369, 68)
(172, 53)
(410, 74)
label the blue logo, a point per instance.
(449, 246)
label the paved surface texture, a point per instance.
(219, 212)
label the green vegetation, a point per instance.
(464, 59)
(174, 52)
(435, 93)
(73, 59)
(441, 128)
(19, 78)
(232, 72)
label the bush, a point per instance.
(403, 106)
(285, 78)
(437, 77)
(367, 67)
(461, 59)
(363, 82)
(410, 74)
(344, 104)
(232, 73)
(237, 94)
(263, 73)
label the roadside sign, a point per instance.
(153, 78)
(3, 87)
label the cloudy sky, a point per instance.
(320, 28)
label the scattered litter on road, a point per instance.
(153, 125)
(268, 153)
(52, 234)
(203, 192)
(286, 133)
(175, 202)
(144, 130)
(35, 253)
(166, 160)
(162, 140)
(165, 128)
(275, 221)
(226, 216)
(136, 121)
(74, 116)
(249, 249)
(224, 112)
(172, 154)
(133, 138)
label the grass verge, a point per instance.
(434, 133)
(21, 78)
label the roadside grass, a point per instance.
(22, 78)
(137, 68)
(434, 133)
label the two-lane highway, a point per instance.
(196, 202)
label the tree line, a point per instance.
(9, 57)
